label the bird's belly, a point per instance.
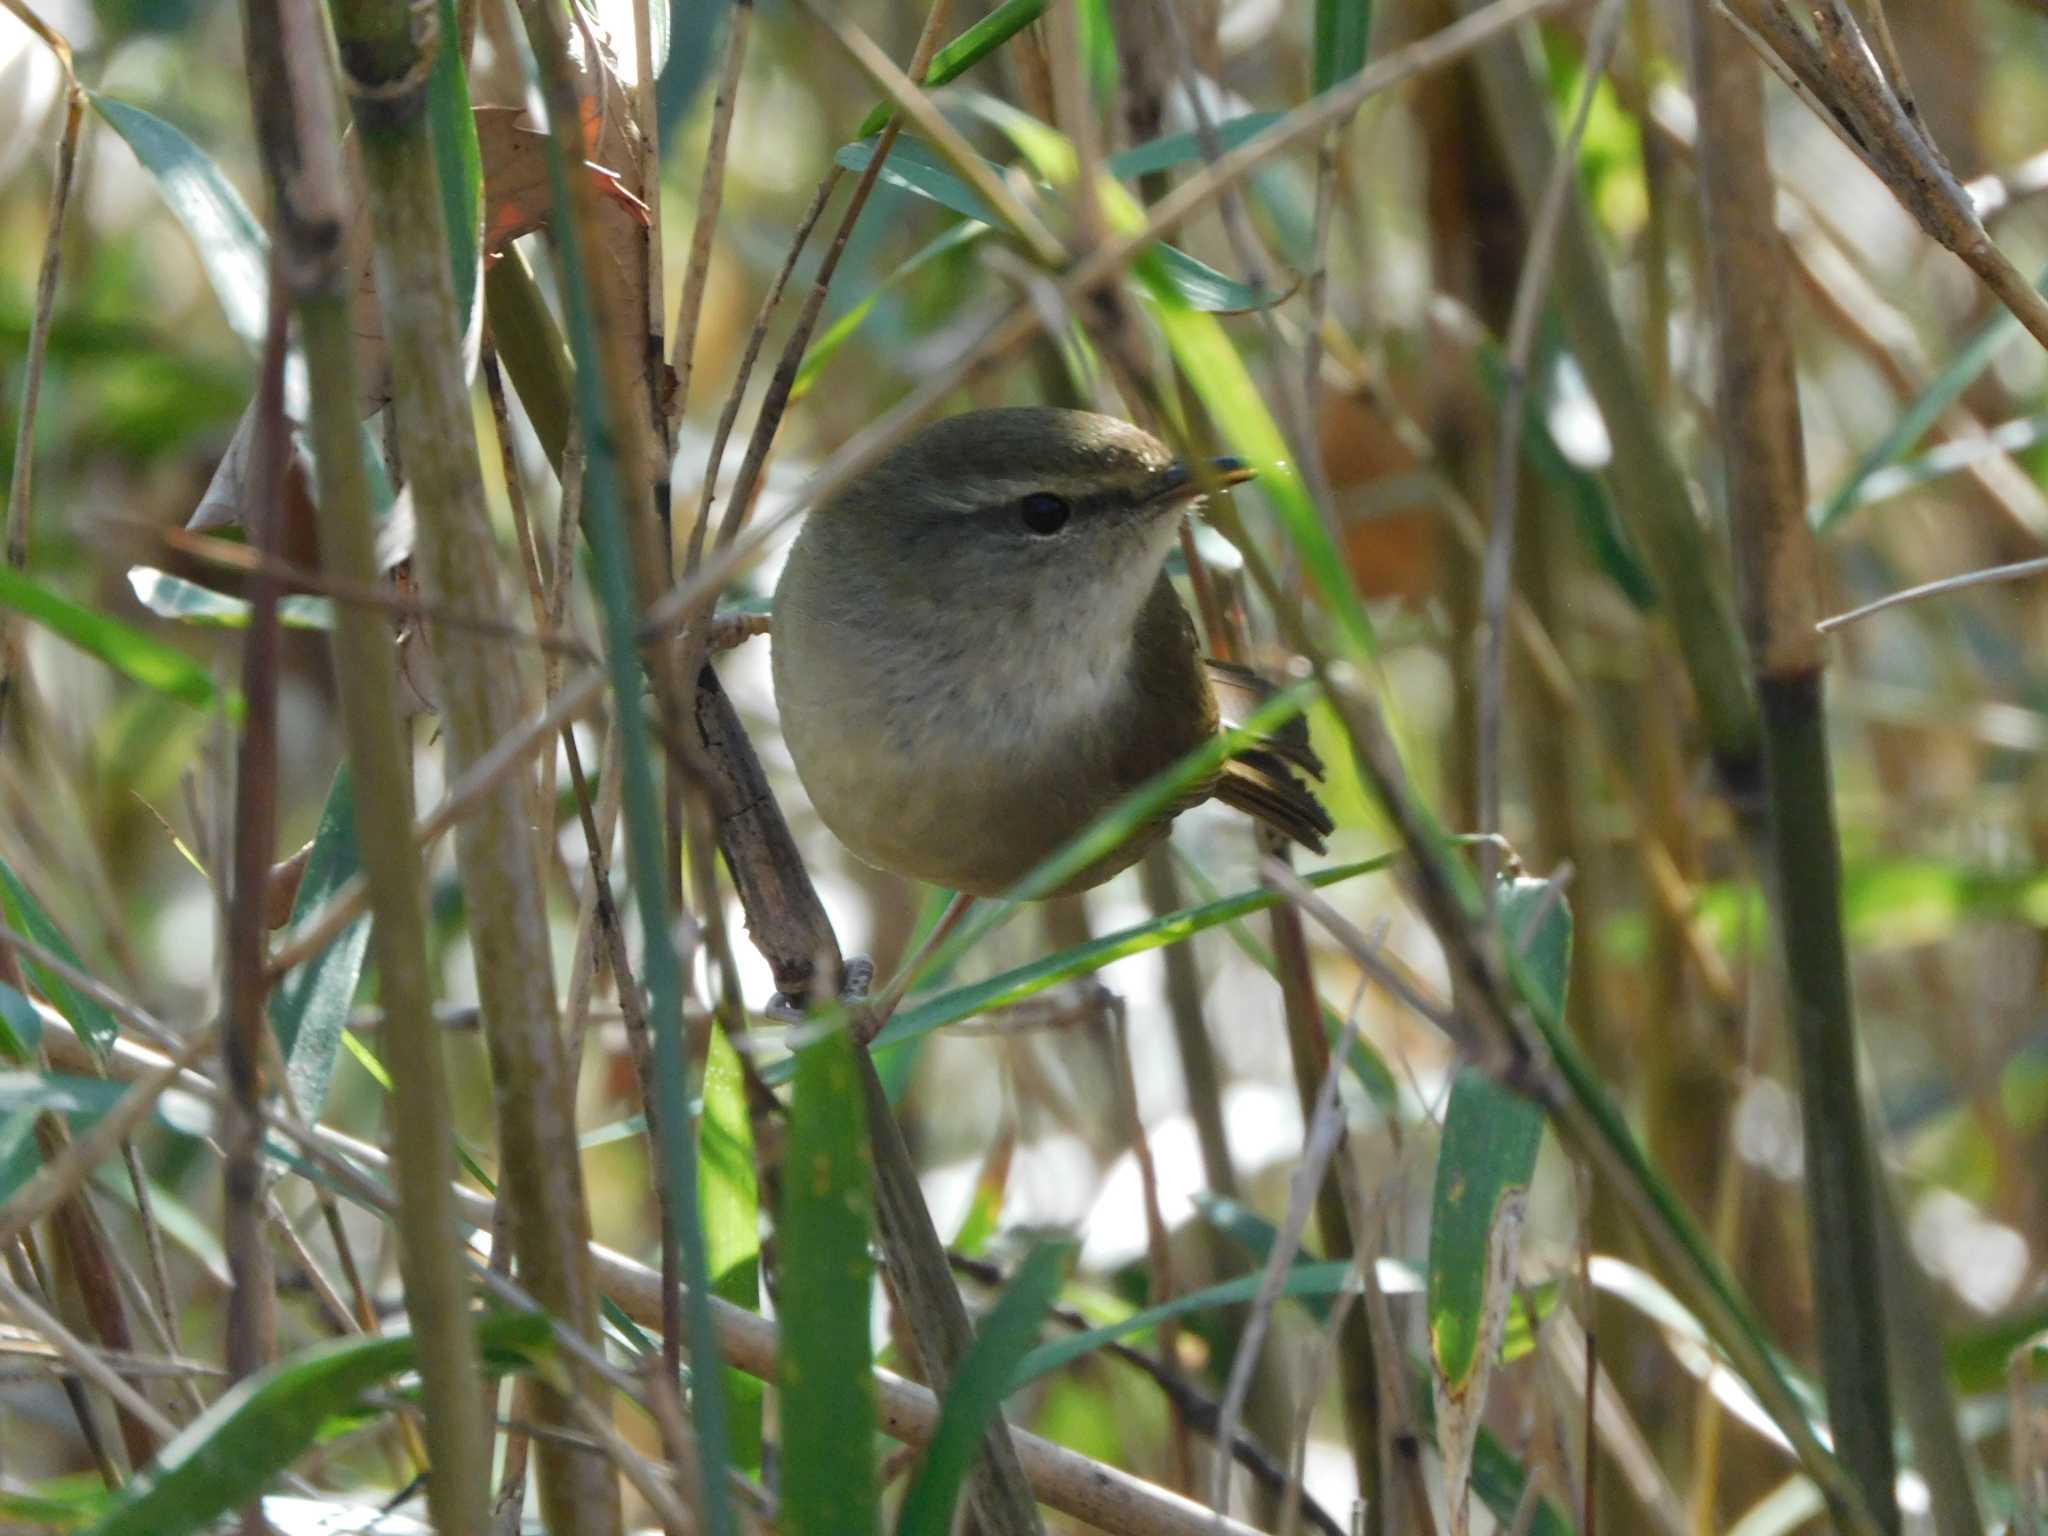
(1014, 755)
(958, 815)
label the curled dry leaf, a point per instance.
(518, 200)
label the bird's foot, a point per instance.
(856, 975)
(729, 631)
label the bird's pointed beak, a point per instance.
(1229, 471)
(1181, 482)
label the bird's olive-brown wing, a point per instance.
(1260, 780)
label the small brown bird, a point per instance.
(977, 651)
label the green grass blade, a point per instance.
(975, 1398)
(1484, 1168)
(1027, 980)
(25, 915)
(1178, 149)
(1942, 391)
(964, 52)
(1014, 985)
(140, 658)
(843, 329)
(731, 1202)
(233, 249)
(1309, 1281)
(228, 1454)
(1343, 32)
(309, 1008)
(1490, 1140)
(828, 1389)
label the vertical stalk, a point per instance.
(1776, 568)
(620, 518)
(252, 1318)
(387, 51)
(291, 87)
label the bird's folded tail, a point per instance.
(1260, 780)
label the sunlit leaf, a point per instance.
(232, 246)
(173, 597)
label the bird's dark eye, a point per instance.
(1043, 513)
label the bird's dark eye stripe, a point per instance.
(1044, 513)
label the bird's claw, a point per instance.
(856, 975)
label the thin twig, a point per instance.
(1326, 1125)
(252, 1320)
(38, 343)
(710, 194)
(2017, 571)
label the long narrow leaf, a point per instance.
(828, 1389)
(233, 249)
(1020, 982)
(459, 163)
(915, 167)
(95, 1025)
(310, 1008)
(136, 656)
(979, 1386)
(965, 51)
(732, 1223)
(227, 1455)
(1484, 1168)
(1963, 370)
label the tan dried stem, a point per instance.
(1838, 74)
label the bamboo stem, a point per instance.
(292, 88)
(387, 63)
(1777, 566)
